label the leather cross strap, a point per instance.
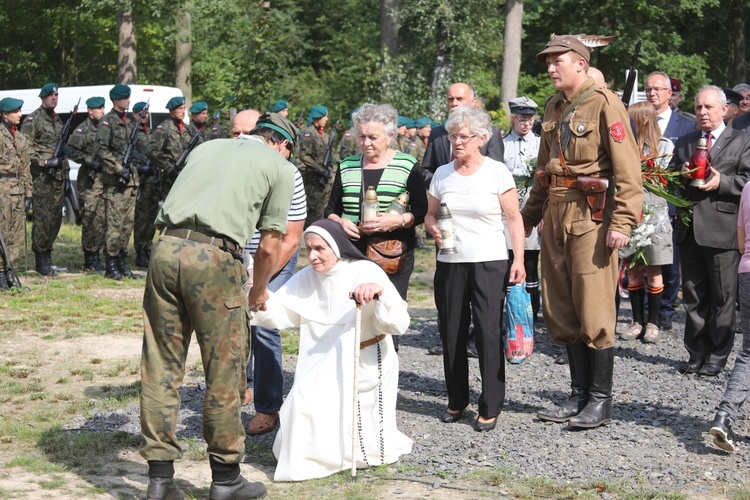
(561, 119)
(372, 341)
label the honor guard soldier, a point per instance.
(313, 143)
(43, 128)
(147, 201)
(280, 107)
(15, 189)
(82, 146)
(349, 145)
(167, 143)
(199, 117)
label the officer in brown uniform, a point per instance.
(15, 188)
(589, 199)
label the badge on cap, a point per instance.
(617, 131)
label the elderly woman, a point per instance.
(391, 173)
(315, 438)
(471, 282)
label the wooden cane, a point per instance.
(355, 433)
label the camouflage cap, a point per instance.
(175, 102)
(48, 89)
(559, 44)
(119, 91)
(138, 107)
(279, 124)
(9, 105)
(198, 107)
(95, 102)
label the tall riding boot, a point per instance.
(142, 258)
(123, 267)
(578, 354)
(44, 264)
(90, 260)
(599, 409)
(3, 281)
(111, 270)
(59, 269)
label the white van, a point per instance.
(156, 95)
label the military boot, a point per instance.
(59, 269)
(3, 282)
(236, 488)
(162, 488)
(142, 258)
(98, 265)
(44, 264)
(579, 386)
(598, 411)
(111, 270)
(14, 282)
(122, 266)
(90, 260)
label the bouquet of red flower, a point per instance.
(665, 184)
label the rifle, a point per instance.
(327, 159)
(194, 142)
(60, 148)
(6, 257)
(627, 92)
(299, 119)
(130, 151)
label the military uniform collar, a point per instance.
(580, 90)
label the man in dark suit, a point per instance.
(708, 246)
(439, 147)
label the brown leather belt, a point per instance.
(372, 341)
(563, 181)
(221, 241)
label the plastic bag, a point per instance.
(518, 337)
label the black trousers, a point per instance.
(464, 290)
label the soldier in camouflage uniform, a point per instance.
(199, 117)
(167, 143)
(280, 107)
(120, 182)
(349, 145)
(313, 142)
(196, 283)
(43, 128)
(423, 133)
(147, 201)
(15, 188)
(81, 146)
(406, 143)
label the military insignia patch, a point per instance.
(158, 127)
(30, 119)
(79, 130)
(307, 135)
(617, 131)
(105, 122)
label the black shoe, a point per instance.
(90, 261)
(485, 427)
(579, 386)
(436, 350)
(421, 244)
(4, 282)
(710, 370)
(691, 366)
(562, 359)
(471, 351)
(59, 269)
(664, 323)
(124, 269)
(721, 430)
(163, 488)
(142, 258)
(44, 264)
(239, 488)
(598, 411)
(449, 417)
(111, 271)
(14, 283)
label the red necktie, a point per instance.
(180, 125)
(13, 130)
(709, 141)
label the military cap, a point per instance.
(401, 121)
(9, 105)
(279, 105)
(564, 43)
(198, 107)
(119, 91)
(434, 124)
(48, 89)
(421, 122)
(317, 112)
(732, 96)
(138, 107)
(95, 102)
(175, 102)
(676, 85)
(522, 106)
(279, 124)
(410, 123)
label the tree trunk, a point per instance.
(127, 70)
(511, 51)
(442, 70)
(738, 25)
(183, 52)
(389, 26)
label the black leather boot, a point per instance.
(578, 355)
(98, 264)
(44, 264)
(3, 282)
(90, 260)
(598, 411)
(163, 488)
(142, 258)
(59, 269)
(124, 269)
(14, 282)
(110, 269)
(236, 488)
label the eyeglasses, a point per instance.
(463, 138)
(648, 90)
(524, 121)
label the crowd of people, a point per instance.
(551, 204)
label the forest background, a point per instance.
(342, 53)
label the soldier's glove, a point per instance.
(53, 163)
(27, 203)
(96, 165)
(124, 175)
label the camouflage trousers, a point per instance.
(190, 287)
(317, 196)
(119, 209)
(146, 208)
(12, 225)
(48, 195)
(93, 220)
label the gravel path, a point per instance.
(658, 437)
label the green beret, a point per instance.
(434, 124)
(95, 102)
(48, 89)
(278, 106)
(139, 107)
(421, 122)
(402, 121)
(410, 123)
(317, 112)
(198, 107)
(9, 105)
(279, 124)
(175, 102)
(119, 91)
